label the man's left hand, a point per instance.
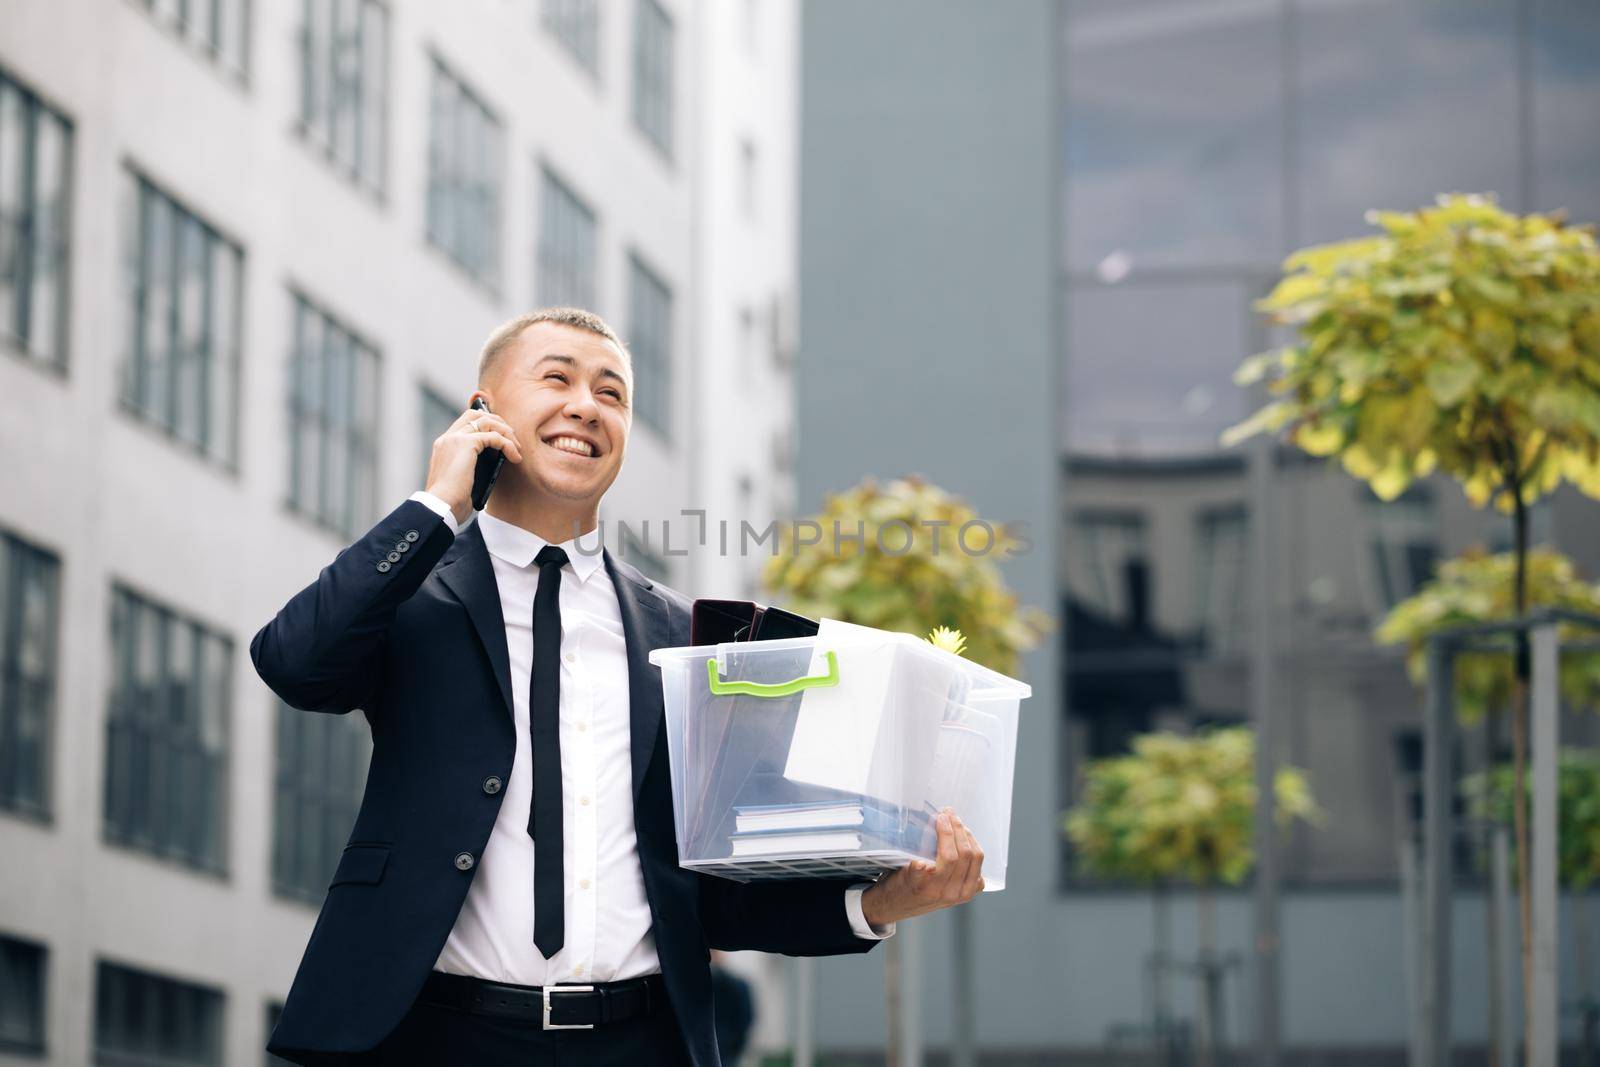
(955, 877)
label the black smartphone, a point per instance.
(490, 461)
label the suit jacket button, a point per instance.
(402, 546)
(491, 785)
(464, 861)
(383, 566)
(411, 535)
(394, 557)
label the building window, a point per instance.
(322, 769)
(22, 985)
(333, 422)
(1107, 565)
(651, 564)
(30, 608)
(567, 246)
(274, 1013)
(182, 364)
(438, 412)
(650, 342)
(217, 29)
(576, 24)
(35, 185)
(344, 84)
(464, 178)
(1403, 543)
(749, 177)
(652, 73)
(147, 1020)
(1221, 601)
(167, 734)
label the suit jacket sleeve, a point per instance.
(322, 650)
(798, 918)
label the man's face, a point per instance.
(568, 395)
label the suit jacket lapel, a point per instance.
(645, 626)
(470, 576)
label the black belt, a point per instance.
(559, 1007)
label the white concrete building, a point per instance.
(246, 264)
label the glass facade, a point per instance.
(1203, 141)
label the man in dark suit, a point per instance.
(511, 891)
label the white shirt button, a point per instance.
(583, 883)
(584, 800)
(570, 658)
(582, 726)
(578, 969)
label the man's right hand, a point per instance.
(455, 457)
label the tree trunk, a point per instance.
(891, 1003)
(1580, 907)
(1493, 917)
(1519, 758)
(1210, 1014)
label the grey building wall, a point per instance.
(927, 343)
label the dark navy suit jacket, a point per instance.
(418, 646)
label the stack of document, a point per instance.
(818, 827)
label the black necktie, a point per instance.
(544, 729)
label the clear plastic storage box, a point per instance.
(833, 754)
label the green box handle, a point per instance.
(772, 689)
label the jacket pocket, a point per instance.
(361, 863)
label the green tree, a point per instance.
(1477, 588)
(1489, 796)
(1463, 339)
(906, 556)
(896, 557)
(1182, 809)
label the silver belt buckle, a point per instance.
(547, 990)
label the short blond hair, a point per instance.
(578, 318)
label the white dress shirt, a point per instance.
(608, 936)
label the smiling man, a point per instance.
(510, 892)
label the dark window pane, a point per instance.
(464, 177)
(653, 73)
(148, 1020)
(321, 773)
(344, 83)
(35, 182)
(167, 734)
(22, 996)
(30, 609)
(333, 417)
(650, 342)
(183, 339)
(576, 24)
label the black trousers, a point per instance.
(431, 1035)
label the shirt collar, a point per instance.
(518, 547)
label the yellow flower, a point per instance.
(947, 639)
